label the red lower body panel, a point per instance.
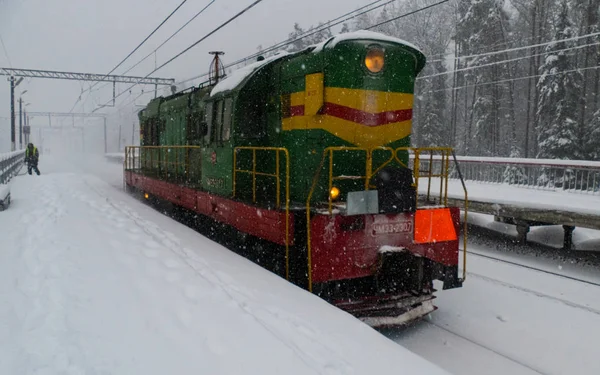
(345, 247)
(262, 223)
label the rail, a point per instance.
(9, 165)
(277, 176)
(574, 176)
(434, 167)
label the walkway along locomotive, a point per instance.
(305, 157)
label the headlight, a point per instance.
(375, 59)
(334, 193)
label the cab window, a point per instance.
(227, 119)
(209, 118)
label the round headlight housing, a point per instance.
(334, 193)
(375, 59)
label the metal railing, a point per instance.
(277, 151)
(168, 162)
(575, 176)
(9, 165)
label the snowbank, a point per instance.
(92, 281)
(520, 196)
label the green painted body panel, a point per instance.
(349, 71)
(257, 121)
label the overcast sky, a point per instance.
(92, 36)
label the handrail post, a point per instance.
(416, 169)
(234, 169)
(465, 219)
(369, 168)
(330, 179)
(278, 198)
(254, 175)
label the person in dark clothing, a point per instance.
(31, 158)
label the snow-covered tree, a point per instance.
(481, 29)
(433, 125)
(592, 145)
(559, 96)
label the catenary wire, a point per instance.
(256, 2)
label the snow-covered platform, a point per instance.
(526, 207)
(93, 281)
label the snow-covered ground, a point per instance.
(511, 320)
(518, 196)
(94, 282)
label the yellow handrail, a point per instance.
(277, 177)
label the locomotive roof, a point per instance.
(362, 35)
(236, 78)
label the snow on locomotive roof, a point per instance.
(238, 76)
(362, 34)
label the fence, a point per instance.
(9, 165)
(577, 176)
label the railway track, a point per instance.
(486, 347)
(470, 252)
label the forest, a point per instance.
(510, 78)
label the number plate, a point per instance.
(405, 226)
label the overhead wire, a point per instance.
(240, 13)
(5, 51)
(491, 53)
(146, 39)
(166, 40)
(306, 34)
(505, 61)
(407, 14)
(135, 49)
(513, 79)
(312, 32)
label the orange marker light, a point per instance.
(334, 193)
(375, 59)
(434, 225)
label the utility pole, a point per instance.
(20, 123)
(105, 146)
(12, 113)
(13, 84)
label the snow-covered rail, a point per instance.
(577, 176)
(9, 164)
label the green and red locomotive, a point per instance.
(306, 157)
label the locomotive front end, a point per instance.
(375, 244)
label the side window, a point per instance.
(217, 120)
(209, 122)
(227, 118)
